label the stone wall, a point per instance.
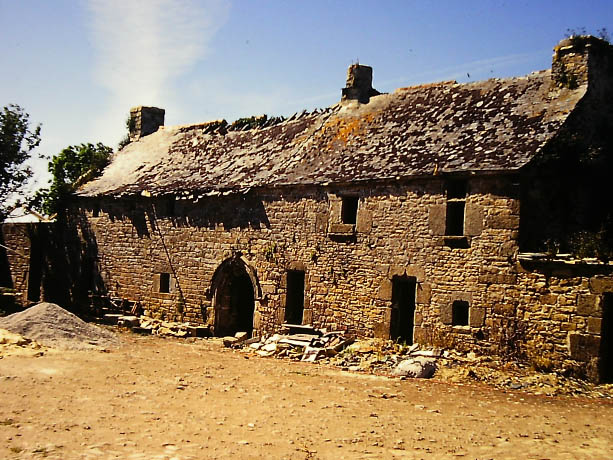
(16, 261)
(349, 268)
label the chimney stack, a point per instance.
(144, 121)
(359, 84)
(579, 60)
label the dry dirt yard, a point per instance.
(156, 398)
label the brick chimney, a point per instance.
(359, 84)
(581, 59)
(144, 121)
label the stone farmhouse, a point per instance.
(440, 214)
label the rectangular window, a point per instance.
(459, 313)
(96, 210)
(349, 210)
(294, 299)
(165, 282)
(456, 204)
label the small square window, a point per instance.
(349, 210)
(459, 313)
(165, 282)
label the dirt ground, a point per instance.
(156, 398)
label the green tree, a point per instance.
(17, 140)
(71, 168)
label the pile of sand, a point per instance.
(51, 325)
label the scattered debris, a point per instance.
(308, 344)
(147, 325)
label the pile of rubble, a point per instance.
(294, 341)
(148, 325)
(308, 344)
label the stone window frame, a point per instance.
(476, 313)
(473, 218)
(164, 283)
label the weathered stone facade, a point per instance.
(398, 216)
(516, 311)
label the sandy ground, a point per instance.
(156, 398)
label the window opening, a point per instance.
(456, 204)
(294, 304)
(403, 309)
(165, 282)
(349, 210)
(606, 339)
(459, 313)
(96, 210)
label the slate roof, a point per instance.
(487, 126)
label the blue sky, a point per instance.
(77, 66)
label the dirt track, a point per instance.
(159, 398)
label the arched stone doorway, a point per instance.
(233, 298)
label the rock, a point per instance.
(229, 341)
(241, 336)
(128, 321)
(420, 368)
(111, 318)
(436, 353)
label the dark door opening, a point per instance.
(606, 339)
(294, 303)
(234, 302)
(403, 309)
(35, 272)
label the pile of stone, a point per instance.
(387, 357)
(53, 326)
(148, 325)
(295, 341)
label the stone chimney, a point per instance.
(144, 121)
(581, 59)
(359, 84)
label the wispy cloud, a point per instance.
(142, 46)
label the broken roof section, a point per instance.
(487, 126)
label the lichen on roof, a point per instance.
(492, 125)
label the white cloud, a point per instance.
(141, 46)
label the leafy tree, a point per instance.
(72, 167)
(17, 140)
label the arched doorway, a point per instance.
(234, 298)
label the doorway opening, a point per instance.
(294, 304)
(234, 299)
(403, 309)
(606, 339)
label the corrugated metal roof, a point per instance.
(493, 125)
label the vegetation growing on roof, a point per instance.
(256, 121)
(130, 126)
